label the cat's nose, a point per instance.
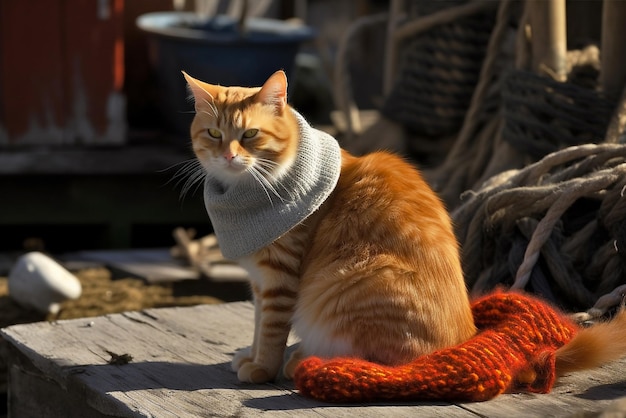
(228, 155)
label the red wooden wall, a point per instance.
(61, 72)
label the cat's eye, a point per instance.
(250, 133)
(215, 133)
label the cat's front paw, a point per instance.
(240, 358)
(253, 373)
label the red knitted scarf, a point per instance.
(514, 350)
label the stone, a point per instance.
(37, 281)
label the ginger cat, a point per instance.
(356, 254)
(367, 269)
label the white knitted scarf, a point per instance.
(246, 218)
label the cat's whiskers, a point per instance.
(270, 181)
(261, 180)
(194, 181)
(190, 172)
(183, 167)
(268, 167)
(266, 180)
(269, 164)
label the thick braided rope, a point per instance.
(452, 174)
(438, 72)
(514, 350)
(566, 214)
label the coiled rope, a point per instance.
(568, 214)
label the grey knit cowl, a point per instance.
(246, 218)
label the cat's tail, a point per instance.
(594, 346)
(524, 344)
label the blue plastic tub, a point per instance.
(216, 52)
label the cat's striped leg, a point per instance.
(276, 309)
(246, 355)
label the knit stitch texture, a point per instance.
(514, 350)
(247, 217)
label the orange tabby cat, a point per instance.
(357, 254)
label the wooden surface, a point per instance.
(180, 367)
(130, 159)
(155, 265)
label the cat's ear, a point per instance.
(274, 91)
(202, 92)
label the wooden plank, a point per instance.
(181, 367)
(577, 394)
(155, 265)
(141, 159)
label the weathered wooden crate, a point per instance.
(180, 367)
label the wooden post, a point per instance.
(613, 71)
(391, 47)
(549, 37)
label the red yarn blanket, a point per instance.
(514, 350)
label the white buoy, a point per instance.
(37, 281)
